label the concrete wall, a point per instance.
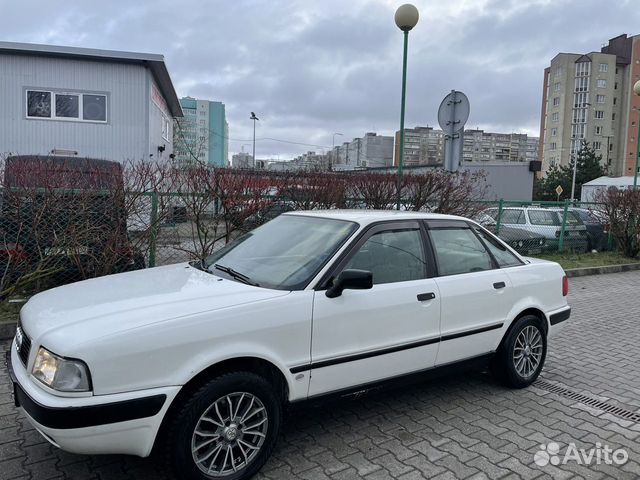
(507, 181)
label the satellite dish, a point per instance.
(453, 112)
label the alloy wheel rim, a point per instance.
(527, 351)
(229, 434)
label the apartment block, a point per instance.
(426, 145)
(370, 151)
(589, 97)
(203, 134)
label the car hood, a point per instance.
(87, 310)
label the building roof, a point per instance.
(610, 182)
(365, 217)
(155, 63)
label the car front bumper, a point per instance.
(124, 423)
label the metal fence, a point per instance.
(49, 238)
(534, 228)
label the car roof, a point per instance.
(365, 217)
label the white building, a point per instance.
(85, 102)
(369, 151)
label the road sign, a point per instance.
(559, 190)
(452, 116)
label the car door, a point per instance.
(475, 294)
(389, 330)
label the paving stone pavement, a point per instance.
(454, 428)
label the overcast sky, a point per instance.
(312, 68)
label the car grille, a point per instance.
(23, 344)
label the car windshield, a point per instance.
(285, 253)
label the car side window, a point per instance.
(391, 256)
(458, 250)
(512, 216)
(501, 253)
(543, 217)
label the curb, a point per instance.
(582, 272)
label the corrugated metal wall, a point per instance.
(126, 135)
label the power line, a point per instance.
(263, 138)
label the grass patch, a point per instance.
(583, 260)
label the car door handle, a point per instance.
(422, 297)
(499, 285)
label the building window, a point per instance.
(615, 100)
(599, 114)
(556, 101)
(613, 116)
(600, 98)
(610, 146)
(202, 112)
(578, 130)
(615, 85)
(598, 130)
(558, 72)
(555, 117)
(556, 86)
(581, 84)
(580, 100)
(597, 146)
(553, 146)
(580, 115)
(202, 122)
(81, 107)
(583, 69)
(554, 132)
(604, 67)
(602, 83)
(166, 129)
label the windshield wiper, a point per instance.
(236, 275)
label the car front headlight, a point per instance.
(62, 374)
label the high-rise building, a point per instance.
(371, 150)
(589, 97)
(203, 135)
(425, 146)
(422, 146)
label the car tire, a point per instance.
(228, 408)
(522, 353)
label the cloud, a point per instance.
(309, 69)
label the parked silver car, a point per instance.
(546, 222)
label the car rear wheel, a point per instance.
(520, 358)
(226, 430)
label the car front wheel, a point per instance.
(520, 358)
(226, 430)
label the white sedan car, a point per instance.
(199, 359)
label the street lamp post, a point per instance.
(406, 18)
(636, 90)
(254, 118)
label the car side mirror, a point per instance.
(350, 280)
